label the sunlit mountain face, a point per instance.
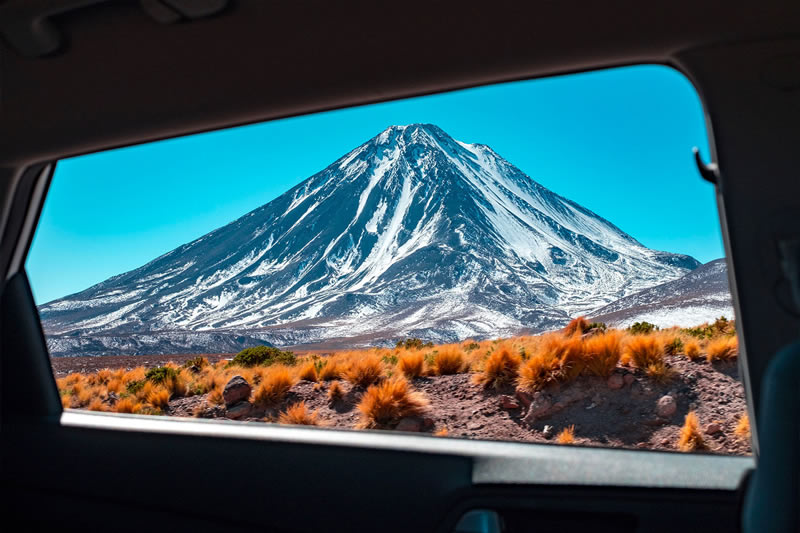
(413, 233)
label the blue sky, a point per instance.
(616, 141)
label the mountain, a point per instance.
(700, 296)
(411, 233)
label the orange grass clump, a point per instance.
(540, 370)
(442, 432)
(566, 435)
(97, 405)
(411, 364)
(644, 350)
(647, 353)
(332, 369)
(335, 392)
(158, 398)
(742, 429)
(448, 360)
(274, 386)
(601, 353)
(307, 371)
(215, 396)
(298, 414)
(692, 350)
(389, 401)
(127, 405)
(175, 385)
(722, 349)
(576, 325)
(364, 371)
(501, 368)
(690, 437)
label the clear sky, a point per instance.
(616, 141)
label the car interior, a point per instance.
(80, 76)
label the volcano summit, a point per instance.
(410, 234)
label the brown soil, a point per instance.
(88, 365)
(620, 418)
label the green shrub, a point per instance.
(263, 356)
(642, 328)
(597, 325)
(390, 359)
(471, 346)
(135, 386)
(413, 343)
(674, 346)
(159, 374)
(721, 326)
(198, 361)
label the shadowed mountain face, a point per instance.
(700, 296)
(411, 233)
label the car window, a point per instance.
(532, 261)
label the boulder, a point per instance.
(410, 423)
(239, 410)
(236, 390)
(547, 432)
(507, 402)
(713, 428)
(666, 406)
(540, 406)
(628, 379)
(616, 381)
(524, 398)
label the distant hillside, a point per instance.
(700, 296)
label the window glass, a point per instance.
(531, 261)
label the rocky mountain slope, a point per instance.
(700, 296)
(411, 233)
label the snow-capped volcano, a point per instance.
(411, 233)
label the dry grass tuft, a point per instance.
(540, 370)
(97, 405)
(742, 429)
(298, 414)
(601, 353)
(411, 364)
(441, 432)
(576, 325)
(388, 402)
(364, 371)
(691, 438)
(335, 392)
(127, 405)
(332, 369)
(722, 349)
(448, 360)
(307, 371)
(692, 350)
(659, 372)
(215, 396)
(175, 385)
(645, 350)
(273, 387)
(158, 398)
(500, 369)
(566, 435)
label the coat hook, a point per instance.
(709, 172)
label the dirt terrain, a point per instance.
(628, 410)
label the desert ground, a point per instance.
(675, 389)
